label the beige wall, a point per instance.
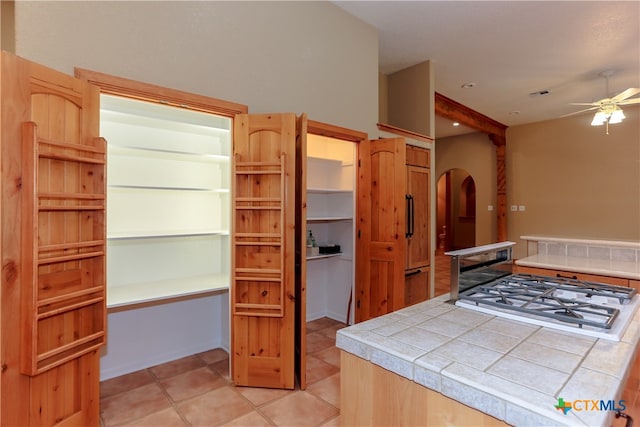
(476, 154)
(383, 98)
(7, 30)
(574, 180)
(273, 56)
(410, 98)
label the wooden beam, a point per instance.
(452, 110)
(501, 186)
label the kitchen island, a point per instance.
(438, 364)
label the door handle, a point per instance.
(407, 197)
(413, 216)
(413, 273)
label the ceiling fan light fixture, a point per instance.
(617, 116)
(599, 119)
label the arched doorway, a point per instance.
(455, 210)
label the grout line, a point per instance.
(228, 384)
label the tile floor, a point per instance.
(442, 274)
(197, 391)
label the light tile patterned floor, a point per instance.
(442, 274)
(197, 391)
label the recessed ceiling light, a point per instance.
(468, 85)
(456, 124)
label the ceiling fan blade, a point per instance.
(626, 94)
(581, 111)
(630, 101)
(595, 104)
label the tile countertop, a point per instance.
(511, 370)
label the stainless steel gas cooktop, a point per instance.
(587, 308)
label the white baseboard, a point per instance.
(152, 360)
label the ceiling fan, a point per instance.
(608, 109)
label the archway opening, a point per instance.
(455, 210)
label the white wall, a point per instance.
(272, 56)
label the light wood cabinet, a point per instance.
(373, 396)
(618, 281)
(418, 225)
(394, 253)
(53, 246)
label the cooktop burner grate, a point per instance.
(566, 300)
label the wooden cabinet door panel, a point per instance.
(263, 250)
(418, 181)
(416, 285)
(381, 227)
(53, 246)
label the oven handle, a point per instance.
(628, 418)
(560, 276)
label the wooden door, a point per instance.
(381, 227)
(53, 247)
(301, 256)
(263, 251)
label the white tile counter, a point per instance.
(510, 370)
(602, 257)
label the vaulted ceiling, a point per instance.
(525, 61)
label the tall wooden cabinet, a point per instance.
(393, 236)
(53, 246)
(418, 234)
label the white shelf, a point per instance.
(168, 216)
(133, 151)
(328, 191)
(323, 256)
(328, 218)
(167, 233)
(138, 293)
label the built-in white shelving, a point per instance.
(330, 212)
(168, 192)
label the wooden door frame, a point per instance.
(496, 131)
